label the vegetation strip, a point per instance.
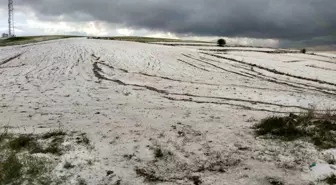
(260, 51)
(32, 39)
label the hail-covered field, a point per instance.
(163, 114)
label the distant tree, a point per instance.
(221, 42)
(303, 50)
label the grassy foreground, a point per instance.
(23, 158)
(31, 158)
(317, 128)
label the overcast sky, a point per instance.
(269, 21)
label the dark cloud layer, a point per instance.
(282, 19)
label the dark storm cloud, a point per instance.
(283, 19)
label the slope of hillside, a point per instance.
(163, 114)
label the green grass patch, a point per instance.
(31, 39)
(146, 39)
(32, 143)
(19, 164)
(19, 169)
(24, 141)
(54, 147)
(319, 129)
(10, 169)
(31, 158)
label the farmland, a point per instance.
(167, 112)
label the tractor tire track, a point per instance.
(10, 59)
(274, 70)
(176, 80)
(324, 68)
(182, 81)
(97, 72)
(293, 61)
(320, 60)
(236, 65)
(329, 57)
(230, 104)
(218, 67)
(295, 85)
(239, 100)
(203, 69)
(155, 76)
(282, 82)
(12, 66)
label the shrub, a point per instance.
(53, 133)
(158, 153)
(221, 42)
(330, 179)
(318, 129)
(274, 181)
(24, 141)
(68, 165)
(18, 165)
(54, 147)
(284, 127)
(10, 168)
